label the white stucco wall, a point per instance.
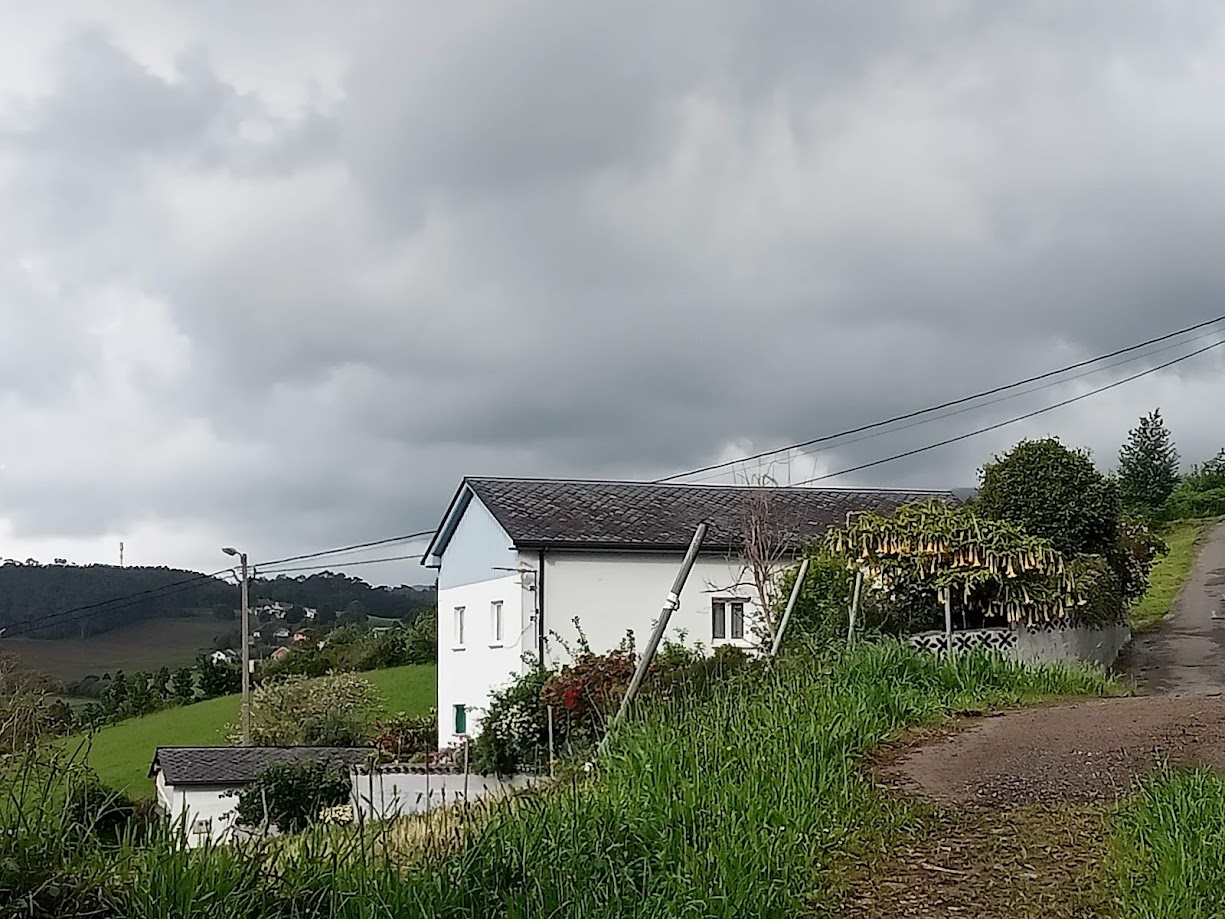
(1071, 645)
(204, 812)
(612, 592)
(384, 795)
(469, 673)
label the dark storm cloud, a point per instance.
(556, 240)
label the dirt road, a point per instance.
(1185, 652)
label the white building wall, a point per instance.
(612, 592)
(469, 672)
(383, 795)
(204, 812)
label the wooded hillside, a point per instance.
(41, 595)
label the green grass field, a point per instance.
(1170, 573)
(147, 645)
(121, 753)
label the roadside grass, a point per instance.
(743, 802)
(121, 753)
(1169, 842)
(1170, 573)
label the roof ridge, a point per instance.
(551, 480)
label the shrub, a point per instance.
(99, 809)
(331, 711)
(515, 730)
(820, 613)
(405, 736)
(1053, 492)
(589, 690)
(291, 796)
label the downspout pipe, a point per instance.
(540, 641)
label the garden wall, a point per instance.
(1047, 643)
(382, 794)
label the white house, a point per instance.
(197, 787)
(520, 559)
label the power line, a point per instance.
(994, 427)
(935, 408)
(353, 548)
(367, 561)
(981, 405)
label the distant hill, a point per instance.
(44, 601)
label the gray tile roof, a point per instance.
(552, 513)
(240, 765)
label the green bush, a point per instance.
(515, 730)
(291, 796)
(331, 711)
(1053, 492)
(1188, 504)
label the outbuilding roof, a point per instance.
(240, 765)
(570, 514)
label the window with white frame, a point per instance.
(496, 625)
(727, 619)
(459, 626)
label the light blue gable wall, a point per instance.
(477, 550)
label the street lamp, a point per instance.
(246, 648)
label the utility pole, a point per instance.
(670, 605)
(795, 594)
(246, 647)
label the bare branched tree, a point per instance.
(771, 538)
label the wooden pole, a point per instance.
(670, 605)
(551, 756)
(850, 631)
(948, 622)
(795, 593)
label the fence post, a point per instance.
(551, 757)
(850, 630)
(672, 602)
(948, 621)
(795, 593)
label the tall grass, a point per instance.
(736, 803)
(1170, 848)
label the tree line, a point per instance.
(31, 591)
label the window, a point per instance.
(719, 610)
(459, 626)
(495, 622)
(461, 719)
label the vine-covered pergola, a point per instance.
(952, 550)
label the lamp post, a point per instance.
(246, 648)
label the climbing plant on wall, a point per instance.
(986, 564)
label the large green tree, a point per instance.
(1053, 492)
(1148, 466)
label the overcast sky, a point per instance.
(278, 274)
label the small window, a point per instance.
(495, 622)
(461, 719)
(459, 626)
(737, 620)
(719, 610)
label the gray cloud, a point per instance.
(564, 241)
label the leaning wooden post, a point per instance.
(850, 631)
(948, 621)
(670, 605)
(795, 593)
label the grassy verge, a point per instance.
(741, 803)
(122, 752)
(1170, 573)
(1170, 848)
